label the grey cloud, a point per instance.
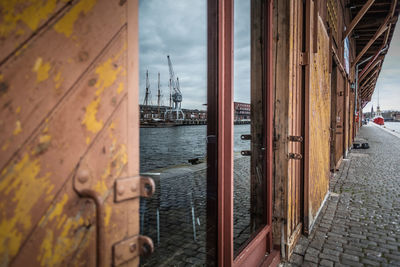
(179, 29)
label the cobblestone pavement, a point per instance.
(180, 202)
(360, 223)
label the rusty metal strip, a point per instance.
(133, 187)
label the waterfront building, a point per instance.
(82, 184)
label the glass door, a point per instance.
(174, 133)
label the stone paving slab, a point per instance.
(359, 224)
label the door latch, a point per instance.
(295, 156)
(293, 138)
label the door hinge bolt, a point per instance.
(121, 190)
(132, 248)
(83, 176)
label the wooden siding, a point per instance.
(64, 112)
(295, 124)
(281, 53)
(319, 124)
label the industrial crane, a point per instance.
(176, 95)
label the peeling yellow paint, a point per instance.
(31, 13)
(18, 128)
(55, 247)
(41, 69)
(89, 120)
(44, 139)
(18, 110)
(66, 24)
(120, 88)
(22, 186)
(101, 187)
(88, 140)
(107, 74)
(58, 80)
(107, 217)
(6, 145)
(59, 207)
(114, 167)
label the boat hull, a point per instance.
(379, 120)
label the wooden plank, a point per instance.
(66, 233)
(42, 166)
(377, 34)
(319, 124)
(377, 62)
(357, 18)
(282, 20)
(20, 21)
(133, 142)
(44, 76)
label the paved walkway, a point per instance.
(360, 223)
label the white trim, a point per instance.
(319, 211)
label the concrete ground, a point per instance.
(360, 223)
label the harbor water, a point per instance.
(170, 146)
(394, 126)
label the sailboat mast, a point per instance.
(146, 98)
(158, 95)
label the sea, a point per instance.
(171, 146)
(394, 126)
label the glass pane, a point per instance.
(249, 151)
(173, 128)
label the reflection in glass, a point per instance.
(173, 94)
(249, 149)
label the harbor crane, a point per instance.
(175, 112)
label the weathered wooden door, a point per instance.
(333, 117)
(340, 117)
(296, 124)
(69, 183)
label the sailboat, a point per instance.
(378, 119)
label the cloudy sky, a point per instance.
(179, 28)
(389, 78)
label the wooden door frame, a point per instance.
(220, 94)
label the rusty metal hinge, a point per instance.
(131, 248)
(245, 137)
(245, 153)
(295, 156)
(293, 138)
(304, 58)
(133, 187)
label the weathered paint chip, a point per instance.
(66, 24)
(41, 69)
(23, 186)
(18, 128)
(31, 13)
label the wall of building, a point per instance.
(303, 104)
